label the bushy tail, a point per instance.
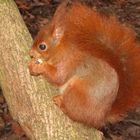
(106, 38)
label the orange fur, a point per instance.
(87, 50)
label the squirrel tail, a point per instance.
(106, 38)
(129, 76)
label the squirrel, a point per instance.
(93, 59)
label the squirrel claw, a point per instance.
(58, 100)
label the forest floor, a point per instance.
(36, 13)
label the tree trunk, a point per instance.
(30, 98)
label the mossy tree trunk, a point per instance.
(30, 98)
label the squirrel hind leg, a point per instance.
(58, 100)
(77, 105)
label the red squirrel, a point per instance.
(93, 59)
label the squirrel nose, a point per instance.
(33, 53)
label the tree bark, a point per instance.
(30, 98)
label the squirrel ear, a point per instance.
(57, 35)
(58, 22)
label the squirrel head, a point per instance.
(46, 40)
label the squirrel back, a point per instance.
(106, 38)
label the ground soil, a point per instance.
(37, 13)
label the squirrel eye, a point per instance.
(42, 46)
